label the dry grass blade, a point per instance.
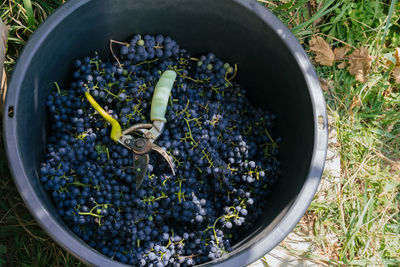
(395, 164)
(25, 228)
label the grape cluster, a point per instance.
(222, 147)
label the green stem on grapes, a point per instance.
(190, 133)
(234, 74)
(148, 62)
(270, 138)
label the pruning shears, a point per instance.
(141, 147)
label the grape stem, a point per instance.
(270, 138)
(190, 133)
(234, 74)
(98, 216)
(148, 62)
(112, 51)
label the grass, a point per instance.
(359, 211)
(22, 241)
(23, 17)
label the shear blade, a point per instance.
(165, 156)
(140, 165)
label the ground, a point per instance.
(354, 218)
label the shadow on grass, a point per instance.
(22, 241)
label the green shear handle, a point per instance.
(161, 95)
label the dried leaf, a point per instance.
(387, 92)
(389, 59)
(396, 71)
(390, 127)
(354, 103)
(342, 65)
(360, 64)
(397, 56)
(396, 74)
(324, 84)
(340, 52)
(324, 53)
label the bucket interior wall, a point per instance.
(266, 69)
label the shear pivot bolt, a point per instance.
(140, 143)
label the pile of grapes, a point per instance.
(222, 146)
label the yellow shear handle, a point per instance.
(116, 131)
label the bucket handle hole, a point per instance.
(10, 112)
(321, 124)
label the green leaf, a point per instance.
(283, 6)
(101, 148)
(29, 13)
(388, 21)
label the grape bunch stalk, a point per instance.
(223, 148)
